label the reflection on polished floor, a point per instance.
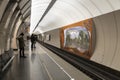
(38, 65)
(33, 68)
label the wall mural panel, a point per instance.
(77, 38)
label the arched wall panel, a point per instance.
(109, 37)
(107, 42)
(26, 7)
(7, 16)
(27, 12)
(15, 30)
(116, 60)
(22, 3)
(99, 47)
(9, 30)
(3, 5)
(13, 24)
(5, 23)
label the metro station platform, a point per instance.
(41, 64)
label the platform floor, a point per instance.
(42, 64)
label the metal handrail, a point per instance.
(94, 70)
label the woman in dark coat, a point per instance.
(21, 45)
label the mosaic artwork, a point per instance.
(77, 38)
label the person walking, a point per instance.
(21, 45)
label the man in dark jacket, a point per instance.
(33, 41)
(21, 45)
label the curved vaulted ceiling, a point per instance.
(64, 12)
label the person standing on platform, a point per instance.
(35, 36)
(21, 45)
(33, 41)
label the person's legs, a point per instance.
(23, 52)
(32, 44)
(20, 52)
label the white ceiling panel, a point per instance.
(103, 6)
(66, 12)
(70, 5)
(115, 4)
(37, 10)
(90, 6)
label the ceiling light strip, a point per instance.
(46, 11)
